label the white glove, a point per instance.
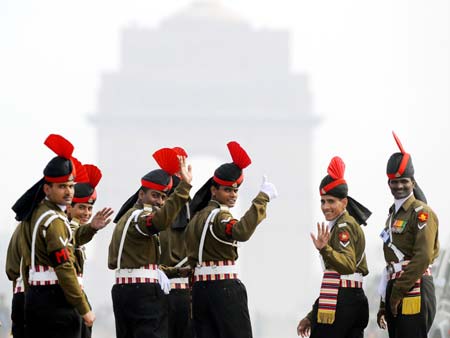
(164, 282)
(269, 188)
(382, 285)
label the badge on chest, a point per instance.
(398, 226)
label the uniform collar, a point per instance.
(334, 221)
(404, 202)
(60, 207)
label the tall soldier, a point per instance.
(138, 299)
(14, 272)
(410, 236)
(174, 263)
(54, 300)
(79, 213)
(342, 309)
(219, 298)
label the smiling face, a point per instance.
(401, 187)
(332, 206)
(152, 197)
(225, 195)
(81, 211)
(59, 193)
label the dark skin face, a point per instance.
(154, 198)
(59, 193)
(401, 187)
(225, 195)
(332, 206)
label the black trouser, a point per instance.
(48, 314)
(18, 315)
(413, 326)
(139, 310)
(220, 309)
(352, 316)
(180, 325)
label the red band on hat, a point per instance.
(60, 179)
(88, 199)
(155, 186)
(331, 186)
(229, 183)
(401, 168)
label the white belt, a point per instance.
(43, 276)
(215, 270)
(184, 280)
(137, 273)
(357, 277)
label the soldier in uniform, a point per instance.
(54, 300)
(138, 298)
(79, 213)
(408, 301)
(14, 272)
(173, 262)
(219, 298)
(342, 309)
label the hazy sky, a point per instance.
(373, 65)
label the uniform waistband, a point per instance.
(215, 270)
(354, 280)
(179, 283)
(397, 273)
(144, 274)
(46, 275)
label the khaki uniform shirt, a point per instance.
(52, 239)
(173, 250)
(344, 252)
(225, 227)
(14, 256)
(82, 234)
(141, 246)
(415, 234)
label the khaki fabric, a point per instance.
(241, 231)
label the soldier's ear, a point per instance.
(213, 191)
(141, 194)
(345, 202)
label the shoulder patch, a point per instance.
(422, 216)
(342, 225)
(344, 236)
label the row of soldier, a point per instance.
(174, 258)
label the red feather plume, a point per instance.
(180, 151)
(93, 173)
(239, 155)
(336, 168)
(78, 171)
(167, 159)
(59, 145)
(399, 144)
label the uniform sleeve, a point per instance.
(423, 250)
(341, 253)
(228, 228)
(13, 256)
(84, 234)
(60, 252)
(155, 222)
